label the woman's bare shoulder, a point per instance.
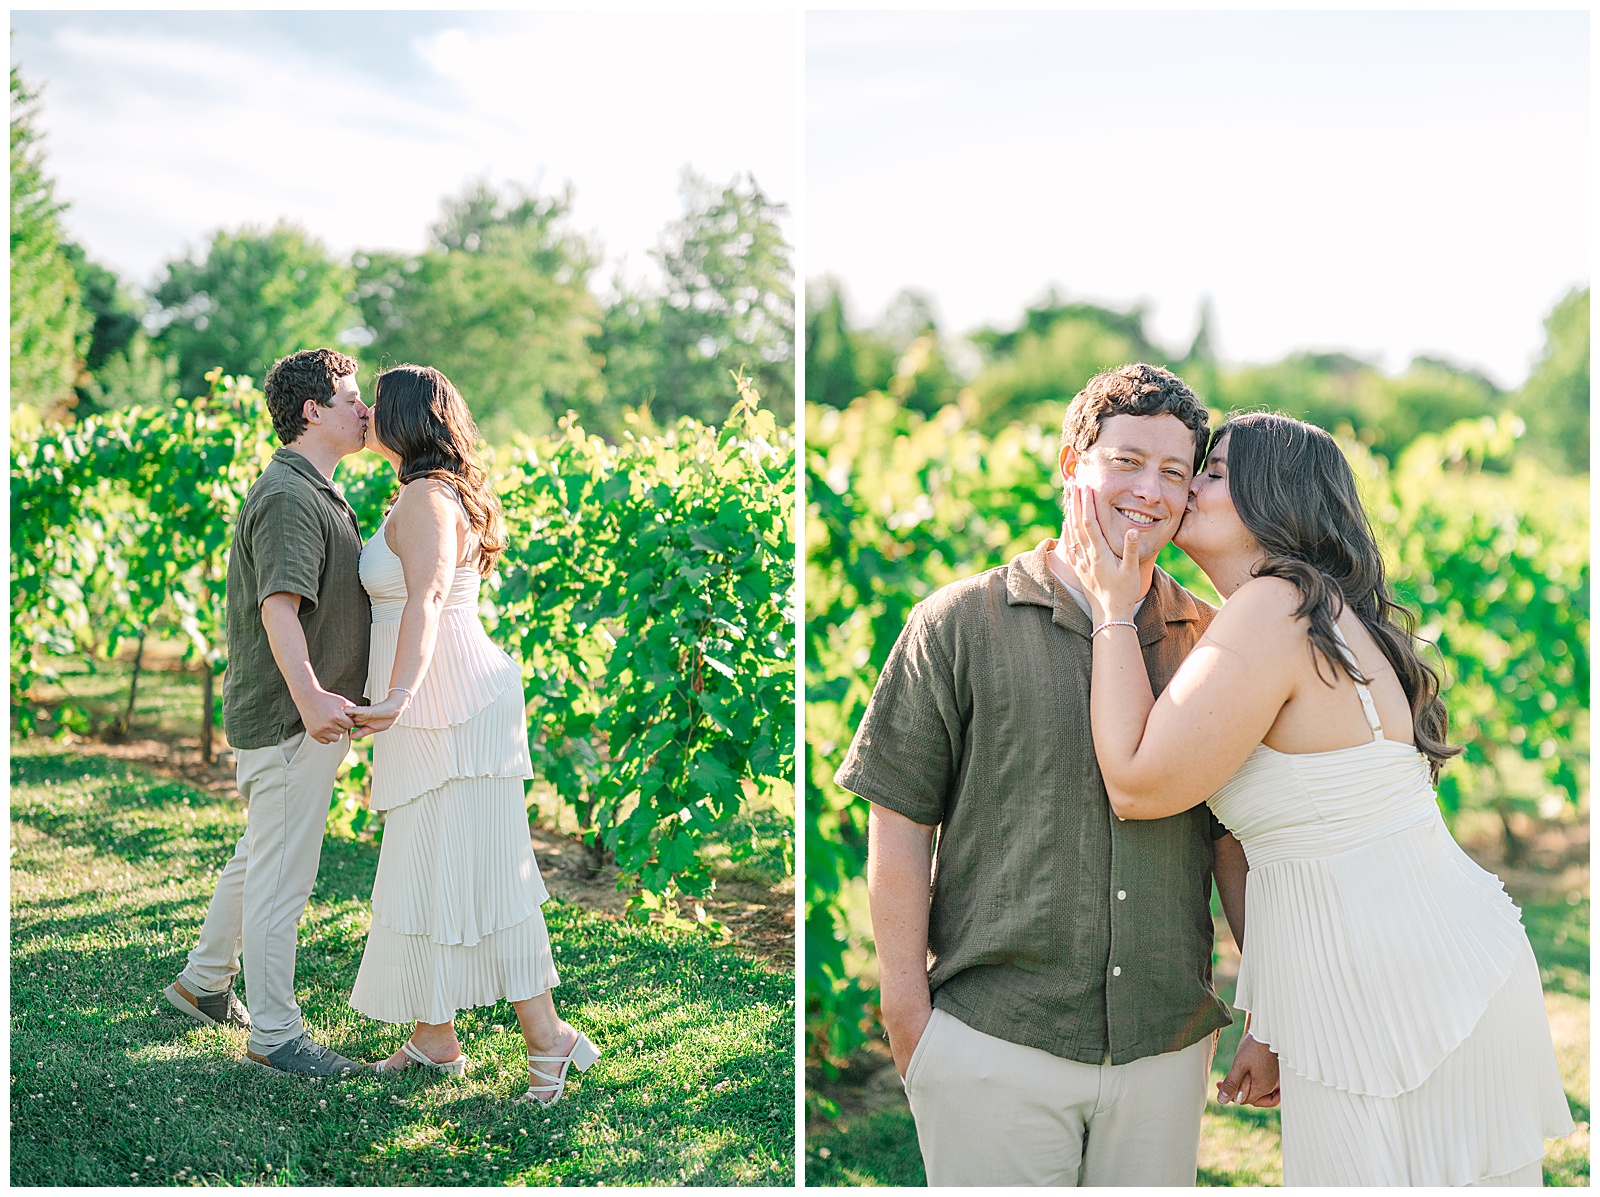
(425, 508)
(427, 488)
(1260, 616)
(1265, 596)
(425, 494)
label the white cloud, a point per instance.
(162, 132)
(621, 106)
(186, 136)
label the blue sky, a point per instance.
(1385, 183)
(164, 126)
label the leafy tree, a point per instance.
(1199, 367)
(255, 297)
(1322, 388)
(135, 375)
(1052, 310)
(833, 365)
(499, 301)
(729, 302)
(907, 346)
(115, 311)
(1430, 397)
(904, 355)
(49, 327)
(1034, 370)
(1338, 391)
(115, 314)
(1555, 400)
(628, 345)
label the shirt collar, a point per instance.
(303, 466)
(1029, 582)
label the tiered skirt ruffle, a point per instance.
(456, 919)
(1398, 989)
(1376, 962)
(467, 718)
(1482, 1115)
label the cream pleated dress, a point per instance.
(456, 919)
(1390, 974)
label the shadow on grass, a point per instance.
(650, 1111)
(112, 1087)
(1222, 1178)
(1245, 1117)
(67, 813)
(136, 787)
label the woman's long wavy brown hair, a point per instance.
(418, 414)
(1295, 492)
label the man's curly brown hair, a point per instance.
(1134, 390)
(309, 374)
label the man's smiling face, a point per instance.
(1140, 468)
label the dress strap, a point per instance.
(1365, 694)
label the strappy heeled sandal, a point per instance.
(456, 1067)
(580, 1055)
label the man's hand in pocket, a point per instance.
(905, 1032)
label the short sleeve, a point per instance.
(288, 546)
(905, 754)
(1215, 825)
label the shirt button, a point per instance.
(1121, 894)
(1116, 972)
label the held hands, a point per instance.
(1253, 1079)
(326, 716)
(1111, 582)
(380, 716)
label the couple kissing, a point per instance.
(1062, 753)
(329, 639)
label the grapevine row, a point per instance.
(646, 590)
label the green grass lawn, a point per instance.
(111, 870)
(1241, 1145)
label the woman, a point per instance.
(455, 908)
(1388, 972)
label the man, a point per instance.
(1051, 1010)
(298, 624)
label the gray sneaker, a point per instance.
(306, 1057)
(212, 1009)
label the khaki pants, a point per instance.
(991, 1112)
(264, 887)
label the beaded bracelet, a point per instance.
(1114, 623)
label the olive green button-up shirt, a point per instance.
(1053, 923)
(295, 534)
